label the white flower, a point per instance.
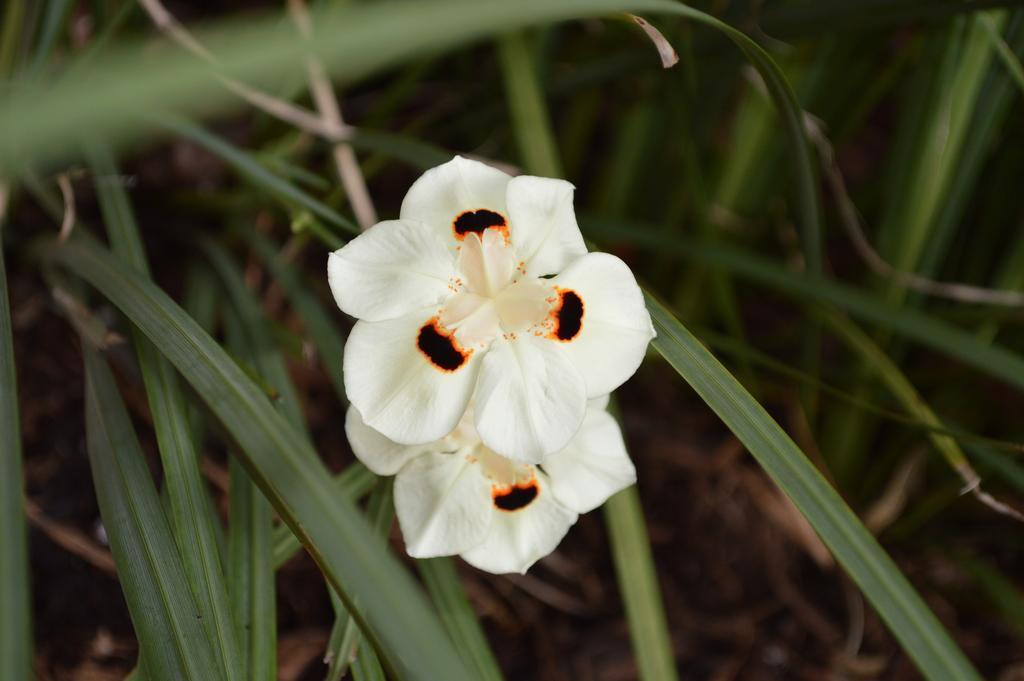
(454, 301)
(456, 496)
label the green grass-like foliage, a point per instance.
(391, 610)
(151, 572)
(714, 147)
(910, 620)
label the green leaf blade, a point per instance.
(442, 582)
(15, 617)
(392, 612)
(159, 598)
(909, 619)
(192, 521)
(638, 582)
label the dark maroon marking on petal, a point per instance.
(440, 347)
(515, 497)
(568, 315)
(476, 221)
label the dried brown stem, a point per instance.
(973, 486)
(297, 116)
(330, 111)
(852, 222)
(68, 222)
(903, 482)
(71, 539)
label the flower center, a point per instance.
(513, 486)
(492, 294)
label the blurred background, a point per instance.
(857, 347)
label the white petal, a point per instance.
(389, 270)
(544, 230)
(395, 386)
(616, 327)
(378, 453)
(486, 263)
(518, 539)
(443, 503)
(593, 467)
(530, 398)
(459, 186)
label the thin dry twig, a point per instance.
(89, 327)
(888, 507)
(852, 222)
(279, 108)
(973, 486)
(784, 515)
(68, 193)
(549, 594)
(70, 538)
(327, 104)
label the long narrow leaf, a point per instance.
(159, 598)
(118, 92)
(251, 168)
(526, 104)
(345, 632)
(909, 619)
(889, 373)
(251, 573)
(192, 520)
(638, 582)
(354, 483)
(324, 334)
(250, 545)
(648, 627)
(251, 336)
(996, 361)
(15, 628)
(442, 582)
(392, 611)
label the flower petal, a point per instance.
(389, 270)
(458, 198)
(530, 398)
(544, 230)
(486, 262)
(614, 327)
(378, 453)
(593, 467)
(409, 379)
(443, 504)
(517, 539)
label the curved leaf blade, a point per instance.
(638, 582)
(442, 582)
(909, 619)
(159, 598)
(193, 523)
(995, 360)
(15, 626)
(391, 611)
